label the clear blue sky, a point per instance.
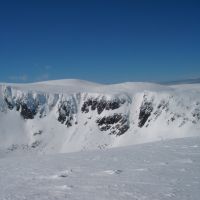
(103, 41)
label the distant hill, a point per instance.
(183, 81)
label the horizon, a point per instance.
(103, 42)
(172, 82)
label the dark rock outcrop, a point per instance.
(145, 111)
(66, 111)
(101, 105)
(196, 113)
(38, 133)
(28, 112)
(35, 144)
(162, 106)
(27, 109)
(8, 103)
(117, 124)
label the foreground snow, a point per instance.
(160, 170)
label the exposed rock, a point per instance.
(145, 112)
(9, 104)
(162, 106)
(27, 109)
(27, 112)
(117, 124)
(66, 111)
(38, 133)
(101, 105)
(13, 147)
(196, 114)
(35, 144)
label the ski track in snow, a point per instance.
(160, 170)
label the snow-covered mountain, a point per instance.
(73, 115)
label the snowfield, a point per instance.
(154, 171)
(77, 140)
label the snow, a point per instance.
(162, 170)
(178, 117)
(47, 159)
(71, 86)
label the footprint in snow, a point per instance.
(163, 163)
(170, 195)
(64, 187)
(62, 174)
(111, 172)
(65, 173)
(107, 172)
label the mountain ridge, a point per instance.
(74, 115)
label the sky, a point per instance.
(106, 41)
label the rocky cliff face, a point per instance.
(36, 105)
(112, 115)
(117, 124)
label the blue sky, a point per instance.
(104, 41)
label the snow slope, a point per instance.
(73, 115)
(162, 170)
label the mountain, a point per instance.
(73, 115)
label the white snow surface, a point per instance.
(68, 86)
(162, 170)
(156, 158)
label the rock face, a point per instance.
(145, 111)
(101, 105)
(28, 112)
(30, 106)
(66, 110)
(117, 124)
(196, 112)
(27, 108)
(109, 117)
